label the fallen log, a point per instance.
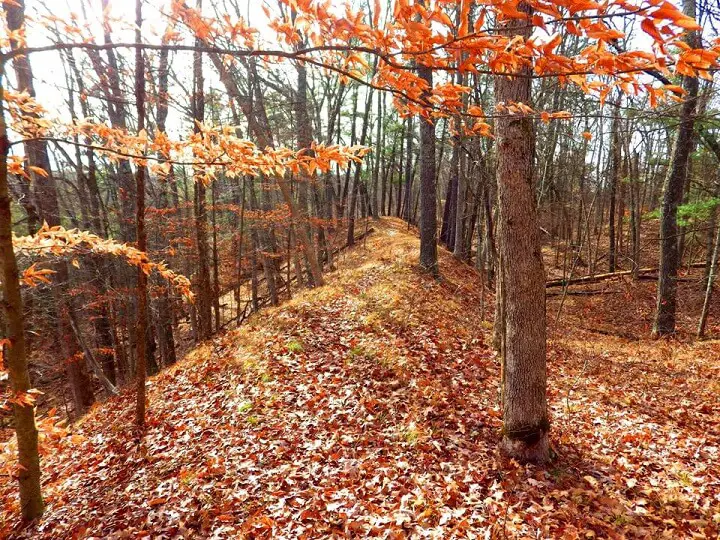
(654, 277)
(582, 293)
(610, 275)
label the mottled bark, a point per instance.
(672, 197)
(31, 502)
(428, 192)
(202, 285)
(523, 339)
(142, 287)
(614, 181)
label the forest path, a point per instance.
(369, 408)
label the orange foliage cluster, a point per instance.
(212, 150)
(426, 35)
(58, 241)
(341, 40)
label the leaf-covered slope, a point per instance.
(369, 408)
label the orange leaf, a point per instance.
(675, 89)
(39, 171)
(650, 29)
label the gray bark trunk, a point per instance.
(523, 339)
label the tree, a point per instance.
(204, 291)
(142, 288)
(525, 420)
(437, 68)
(673, 195)
(31, 501)
(428, 192)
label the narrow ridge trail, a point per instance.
(369, 408)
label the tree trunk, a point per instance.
(459, 203)
(31, 502)
(672, 197)
(142, 288)
(165, 318)
(614, 180)
(204, 290)
(379, 146)
(428, 191)
(447, 230)
(43, 202)
(635, 210)
(523, 340)
(357, 177)
(459, 246)
(406, 198)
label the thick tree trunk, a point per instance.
(357, 177)
(614, 181)
(523, 346)
(428, 191)
(31, 502)
(203, 287)
(142, 287)
(672, 197)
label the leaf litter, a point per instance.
(370, 408)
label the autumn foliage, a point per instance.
(216, 164)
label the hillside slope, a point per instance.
(369, 408)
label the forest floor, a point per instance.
(369, 408)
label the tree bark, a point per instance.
(614, 180)
(31, 502)
(428, 191)
(358, 170)
(407, 188)
(709, 287)
(164, 304)
(523, 340)
(142, 288)
(203, 287)
(459, 246)
(672, 198)
(15, 14)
